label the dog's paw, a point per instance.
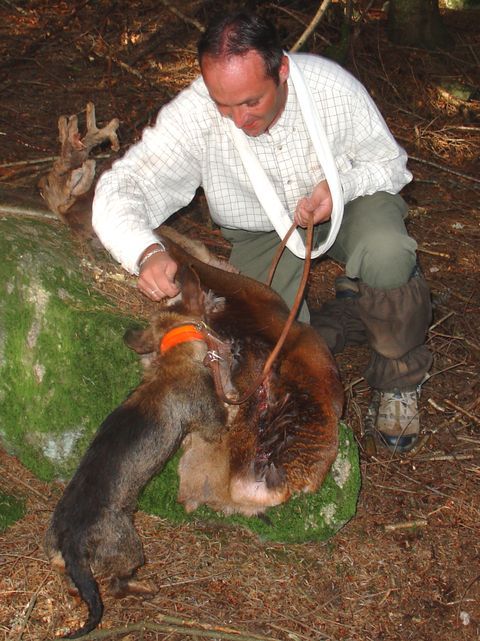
(120, 588)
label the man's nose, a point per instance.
(239, 116)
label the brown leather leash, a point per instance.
(212, 359)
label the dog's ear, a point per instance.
(193, 296)
(140, 340)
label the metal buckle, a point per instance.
(213, 356)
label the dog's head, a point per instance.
(192, 305)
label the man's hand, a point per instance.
(157, 276)
(319, 204)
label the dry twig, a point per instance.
(463, 411)
(406, 525)
(447, 169)
(172, 625)
(20, 163)
(182, 16)
(445, 457)
(41, 161)
(109, 56)
(31, 604)
(424, 250)
(311, 27)
(24, 484)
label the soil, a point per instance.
(407, 566)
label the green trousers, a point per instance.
(372, 243)
(380, 257)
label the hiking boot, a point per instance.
(397, 423)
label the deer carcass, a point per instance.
(283, 439)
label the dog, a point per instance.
(91, 532)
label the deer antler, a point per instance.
(73, 173)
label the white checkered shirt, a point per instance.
(190, 146)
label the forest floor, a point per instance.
(407, 566)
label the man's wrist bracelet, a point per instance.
(156, 250)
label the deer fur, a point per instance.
(283, 439)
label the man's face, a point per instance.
(243, 92)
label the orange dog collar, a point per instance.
(178, 335)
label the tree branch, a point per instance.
(437, 166)
(177, 626)
(311, 27)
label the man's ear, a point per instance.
(193, 296)
(284, 70)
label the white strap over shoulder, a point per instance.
(263, 187)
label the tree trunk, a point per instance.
(416, 23)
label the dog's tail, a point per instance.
(78, 569)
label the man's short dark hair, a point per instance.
(238, 33)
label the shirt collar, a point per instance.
(290, 113)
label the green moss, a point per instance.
(63, 363)
(11, 510)
(306, 517)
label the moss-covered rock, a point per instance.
(63, 363)
(64, 368)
